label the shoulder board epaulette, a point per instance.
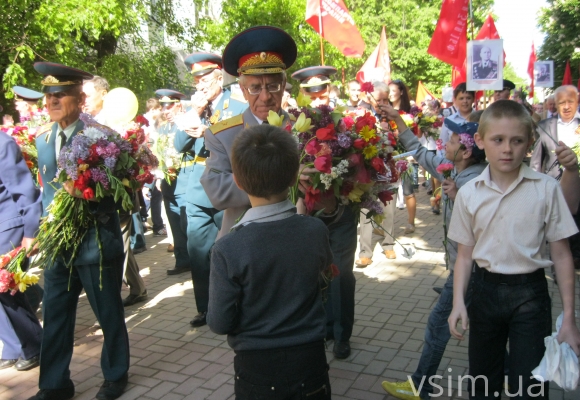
(44, 128)
(227, 123)
(238, 97)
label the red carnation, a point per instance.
(326, 133)
(367, 87)
(348, 122)
(141, 120)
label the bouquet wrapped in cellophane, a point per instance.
(98, 163)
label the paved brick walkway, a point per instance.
(172, 361)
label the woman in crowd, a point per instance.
(399, 98)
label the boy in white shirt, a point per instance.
(502, 220)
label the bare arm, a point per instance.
(564, 266)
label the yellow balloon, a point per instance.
(119, 107)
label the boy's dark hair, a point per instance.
(265, 160)
(462, 88)
(506, 109)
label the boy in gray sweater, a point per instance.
(265, 290)
(468, 161)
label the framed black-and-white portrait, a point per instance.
(544, 73)
(485, 64)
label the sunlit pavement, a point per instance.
(172, 361)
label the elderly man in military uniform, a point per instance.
(62, 285)
(260, 56)
(211, 104)
(486, 68)
(174, 192)
(315, 84)
(261, 69)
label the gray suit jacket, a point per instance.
(544, 159)
(217, 179)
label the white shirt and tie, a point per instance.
(567, 130)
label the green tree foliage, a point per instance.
(102, 37)
(561, 23)
(409, 26)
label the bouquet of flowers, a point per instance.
(36, 119)
(98, 163)
(428, 124)
(353, 160)
(27, 143)
(12, 278)
(169, 158)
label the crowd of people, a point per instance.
(222, 192)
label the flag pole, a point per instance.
(320, 33)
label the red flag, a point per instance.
(488, 32)
(458, 75)
(422, 93)
(378, 66)
(449, 41)
(531, 69)
(567, 75)
(338, 26)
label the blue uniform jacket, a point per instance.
(20, 202)
(105, 210)
(179, 186)
(183, 142)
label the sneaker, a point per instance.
(160, 232)
(390, 254)
(401, 390)
(410, 228)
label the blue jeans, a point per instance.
(520, 313)
(436, 337)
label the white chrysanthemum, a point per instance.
(50, 217)
(94, 133)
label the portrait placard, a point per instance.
(544, 73)
(485, 64)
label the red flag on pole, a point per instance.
(531, 69)
(458, 75)
(378, 66)
(338, 26)
(422, 93)
(449, 41)
(567, 75)
(488, 32)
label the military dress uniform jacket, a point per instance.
(227, 106)
(20, 201)
(105, 210)
(179, 185)
(217, 178)
(484, 72)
